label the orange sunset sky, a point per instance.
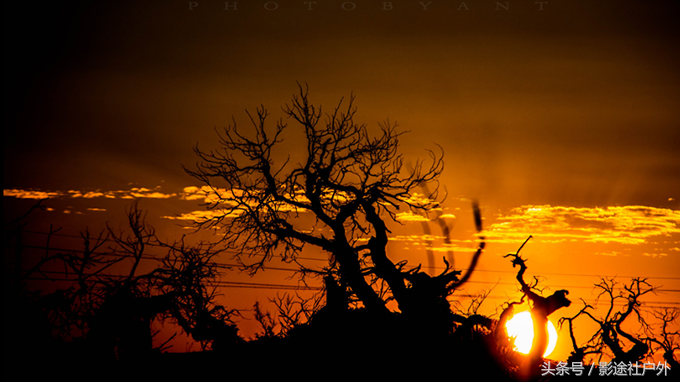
(562, 118)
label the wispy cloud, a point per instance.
(620, 224)
(655, 255)
(554, 224)
(203, 215)
(435, 243)
(30, 194)
(208, 194)
(416, 238)
(411, 217)
(133, 193)
(420, 200)
(447, 216)
(610, 253)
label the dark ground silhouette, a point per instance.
(103, 325)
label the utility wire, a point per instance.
(150, 257)
(279, 286)
(255, 285)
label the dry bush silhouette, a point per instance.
(104, 305)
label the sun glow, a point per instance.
(521, 327)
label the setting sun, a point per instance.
(520, 326)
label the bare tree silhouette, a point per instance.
(106, 300)
(665, 340)
(541, 308)
(580, 352)
(351, 185)
(611, 338)
(39, 324)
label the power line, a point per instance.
(256, 285)
(246, 285)
(230, 265)
(283, 286)
(437, 267)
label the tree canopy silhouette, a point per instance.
(349, 182)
